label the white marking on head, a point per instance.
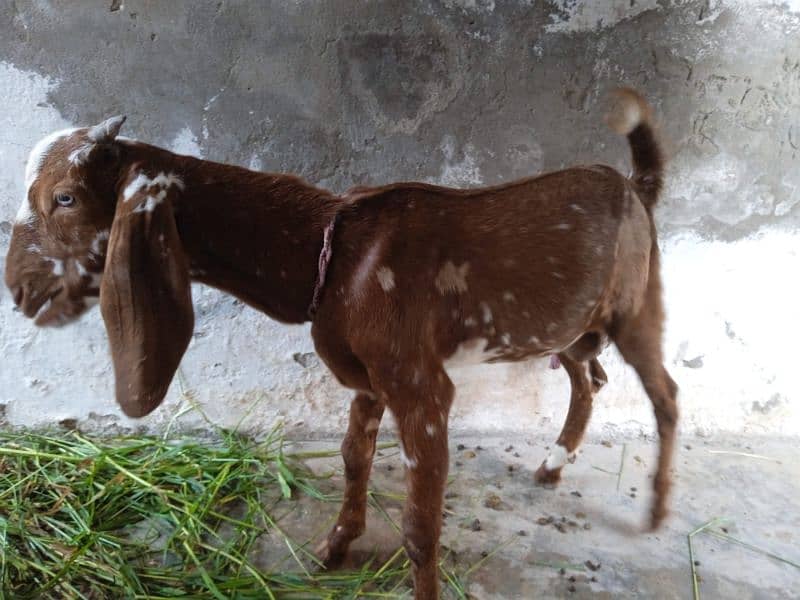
(386, 278)
(557, 458)
(58, 265)
(509, 297)
(24, 214)
(430, 429)
(39, 153)
(452, 278)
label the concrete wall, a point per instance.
(461, 92)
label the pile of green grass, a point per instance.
(152, 518)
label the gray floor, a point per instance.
(586, 539)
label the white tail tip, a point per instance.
(628, 110)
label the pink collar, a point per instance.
(322, 268)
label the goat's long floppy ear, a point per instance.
(145, 296)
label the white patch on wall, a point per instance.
(697, 188)
(186, 143)
(459, 172)
(578, 15)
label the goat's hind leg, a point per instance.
(580, 408)
(358, 449)
(639, 342)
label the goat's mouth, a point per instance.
(33, 303)
(58, 309)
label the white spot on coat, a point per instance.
(142, 181)
(452, 278)
(364, 268)
(386, 278)
(409, 462)
(471, 352)
(509, 297)
(470, 322)
(430, 430)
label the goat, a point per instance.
(400, 283)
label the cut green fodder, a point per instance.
(154, 518)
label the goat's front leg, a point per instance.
(580, 408)
(358, 449)
(422, 413)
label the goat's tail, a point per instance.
(631, 116)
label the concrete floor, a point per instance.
(540, 541)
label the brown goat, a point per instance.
(400, 282)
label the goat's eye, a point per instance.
(65, 200)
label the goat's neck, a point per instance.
(255, 235)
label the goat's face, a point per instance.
(59, 239)
(92, 226)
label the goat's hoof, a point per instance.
(333, 550)
(331, 558)
(547, 478)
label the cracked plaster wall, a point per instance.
(461, 92)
